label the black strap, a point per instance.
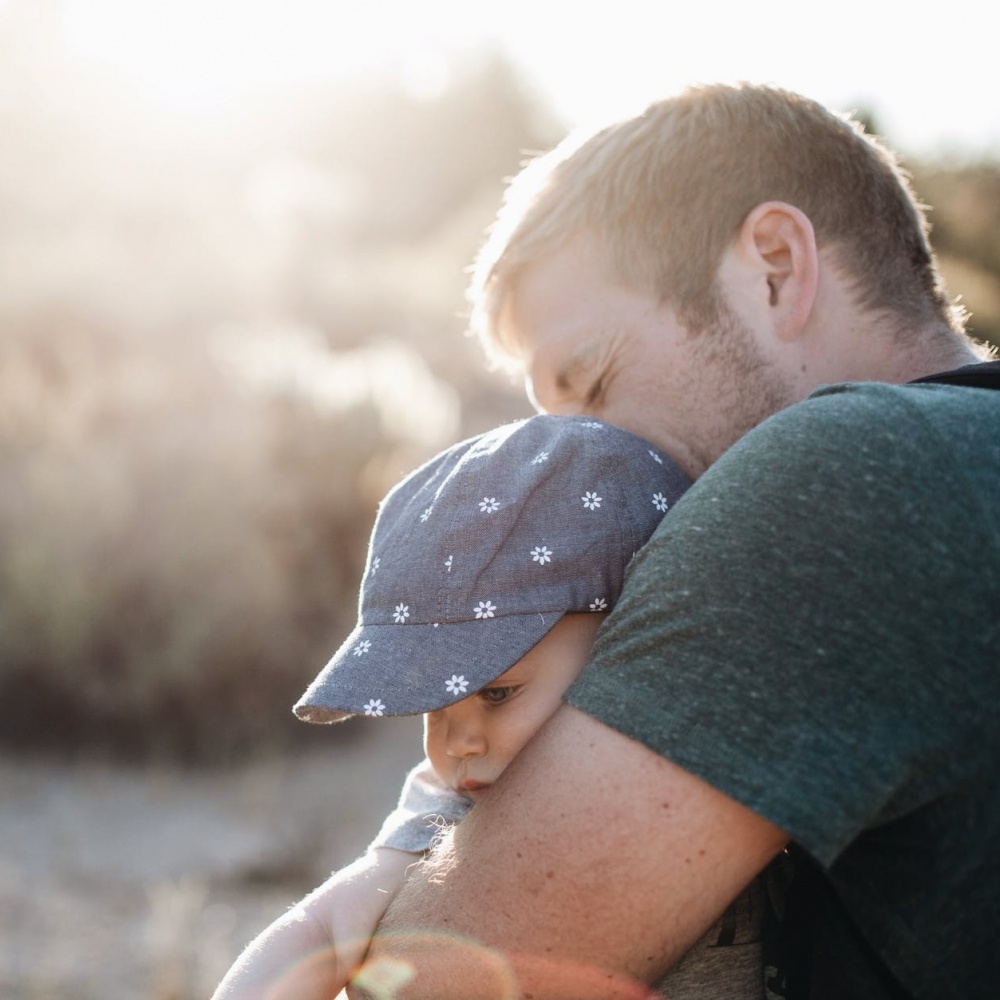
(817, 952)
(982, 376)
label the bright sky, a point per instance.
(929, 73)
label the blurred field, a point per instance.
(124, 883)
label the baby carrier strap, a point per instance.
(981, 376)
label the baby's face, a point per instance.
(470, 742)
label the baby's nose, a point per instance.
(465, 738)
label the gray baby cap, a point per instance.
(479, 553)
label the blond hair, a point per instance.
(666, 191)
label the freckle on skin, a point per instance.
(550, 874)
(701, 853)
(664, 805)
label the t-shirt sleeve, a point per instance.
(426, 806)
(769, 634)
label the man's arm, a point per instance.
(590, 869)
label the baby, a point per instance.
(489, 571)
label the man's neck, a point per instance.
(880, 350)
(848, 343)
(940, 357)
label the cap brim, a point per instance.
(411, 669)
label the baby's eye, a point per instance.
(498, 695)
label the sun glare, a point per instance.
(199, 59)
(187, 56)
(206, 56)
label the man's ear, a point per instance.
(777, 241)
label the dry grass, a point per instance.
(146, 883)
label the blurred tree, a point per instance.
(965, 213)
(214, 359)
(413, 162)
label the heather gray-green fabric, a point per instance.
(815, 631)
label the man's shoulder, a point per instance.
(912, 401)
(912, 426)
(856, 447)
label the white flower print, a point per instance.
(375, 565)
(426, 514)
(448, 562)
(659, 501)
(457, 684)
(489, 505)
(375, 707)
(542, 456)
(598, 604)
(593, 424)
(591, 500)
(541, 554)
(401, 613)
(485, 609)
(656, 458)
(362, 647)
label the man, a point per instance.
(804, 656)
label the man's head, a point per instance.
(656, 204)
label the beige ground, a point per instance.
(143, 884)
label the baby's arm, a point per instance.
(310, 952)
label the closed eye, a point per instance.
(577, 382)
(595, 392)
(603, 374)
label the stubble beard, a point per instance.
(741, 386)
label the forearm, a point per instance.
(310, 952)
(589, 870)
(431, 949)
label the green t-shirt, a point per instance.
(815, 631)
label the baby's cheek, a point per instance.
(434, 745)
